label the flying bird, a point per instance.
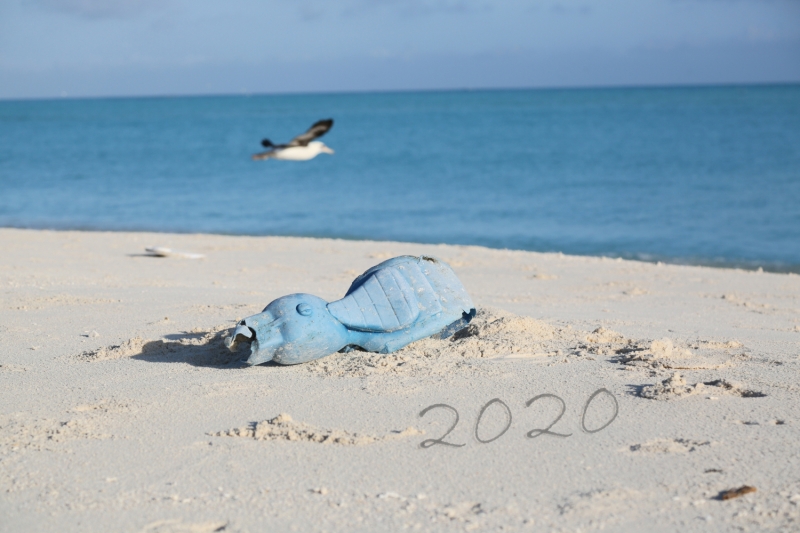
(301, 148)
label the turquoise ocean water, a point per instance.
(707, 175)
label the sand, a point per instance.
(121, 409)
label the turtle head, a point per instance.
(292, 329)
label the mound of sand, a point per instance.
(496, 333)
(126, 349)
(605, 336)
(676, 387)
(668, 355)
(282, 427)
(492, 334)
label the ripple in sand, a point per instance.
(19, 433)
(283, 427)
(669, 446)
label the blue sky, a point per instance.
(151, 47)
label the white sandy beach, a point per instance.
(121, 411)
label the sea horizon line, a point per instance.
(553, 88)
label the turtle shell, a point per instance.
(387, 299)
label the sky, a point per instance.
(85, 48)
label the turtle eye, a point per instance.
(304, 309)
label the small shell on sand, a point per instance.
(163, 251)
(735, 493)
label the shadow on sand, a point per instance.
(205, 349)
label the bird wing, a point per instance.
(319, 129)
(264, 155)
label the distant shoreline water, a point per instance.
(776, 268)
(689, 175)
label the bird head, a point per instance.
(321, 147)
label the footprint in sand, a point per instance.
(178, 526)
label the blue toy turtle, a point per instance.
(389, 306)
